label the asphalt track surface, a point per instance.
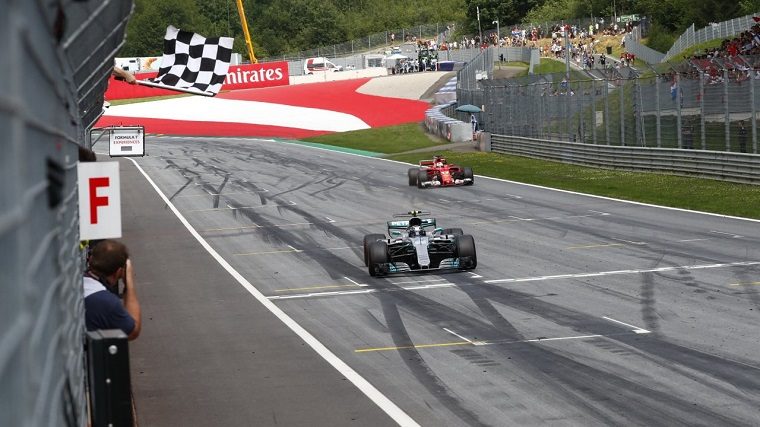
(582, 310)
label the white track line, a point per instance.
(360, 292)
(383, 402)
(463, 338)
(355, 282)
(636, 329)
(576, 337)
(618, 272)
(734, 236)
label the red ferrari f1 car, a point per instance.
(439, 173)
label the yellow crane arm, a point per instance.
(244, 23)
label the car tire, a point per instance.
(378, 255)
(368, 239)
(454, 231)
(465, 247)
(413, 175)
(467, 173)
(422, 176)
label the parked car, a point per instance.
(320, 64)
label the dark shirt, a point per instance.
(104, 310)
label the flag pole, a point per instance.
(247, 35)
(176, 89)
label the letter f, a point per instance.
(96, 201)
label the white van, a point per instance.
(312, 65)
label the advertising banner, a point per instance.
(127, 142)
(248, 76)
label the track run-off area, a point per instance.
(583, 310)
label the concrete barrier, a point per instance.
(439, 124)
(338, 75)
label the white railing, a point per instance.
(712, 32)
(645, 53)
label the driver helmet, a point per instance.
(439, 164)
(416, 231)
(415, 227)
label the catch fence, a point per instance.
(708, 105)
(688, 39)
(715, 31)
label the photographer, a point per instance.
(103, 308)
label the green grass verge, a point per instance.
(696, 49)
(705, 195)
(553, 66)
(699, 194)
(387, 140)
(549, 66)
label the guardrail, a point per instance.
(719, 165)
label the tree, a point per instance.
(146, 29)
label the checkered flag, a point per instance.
(193, 63)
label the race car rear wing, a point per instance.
(403, 225)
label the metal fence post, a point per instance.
(679, 96)
(702, 109)
(658, 122)
(581, 123)
(593, 110)
(640, 132)
(728, 111)
(621, 95)
(754, 114)
(607, 110)
(566, 104)
(542, 111)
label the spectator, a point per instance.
(109, 263)
(742, 137)
(688, 136)
(474, 122)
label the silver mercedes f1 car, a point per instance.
(417, 244)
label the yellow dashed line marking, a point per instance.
(745, 284)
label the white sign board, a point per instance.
(127, 141)
(99, 200)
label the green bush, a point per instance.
(659, 39)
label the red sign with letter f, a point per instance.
(95, 200)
